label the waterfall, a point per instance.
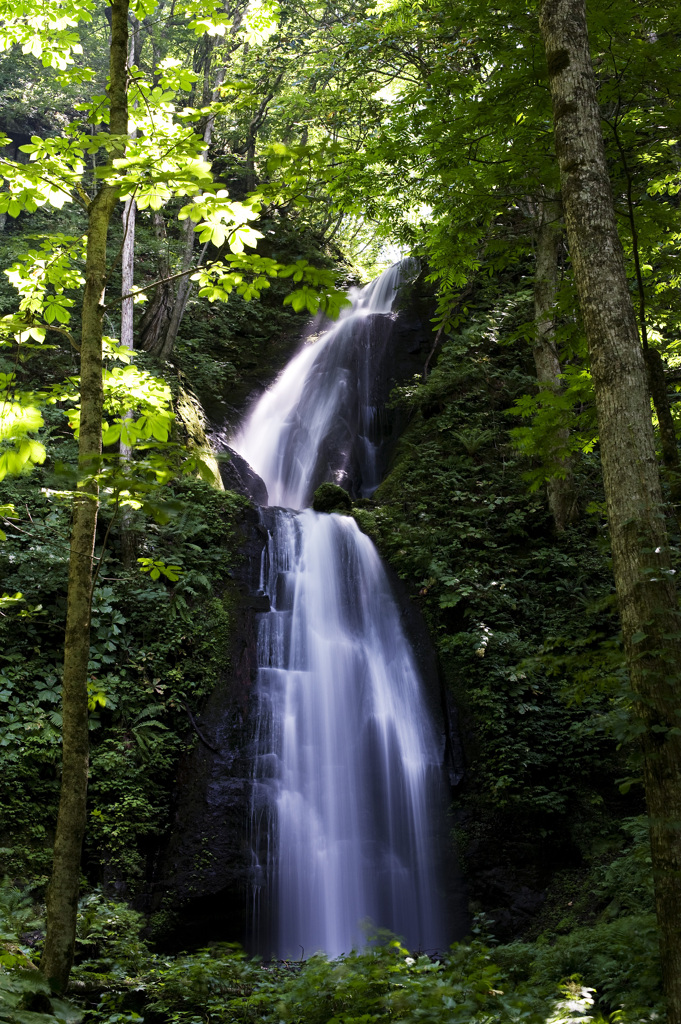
(347, 797)
(319, 415)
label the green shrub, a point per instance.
(618, 959)
(331, 498)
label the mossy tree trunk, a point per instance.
(645, 590)
(653, 359)
(560, 486)
(62, 898)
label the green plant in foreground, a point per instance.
(606, 974)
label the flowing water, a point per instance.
(319, 417)
(347, 801)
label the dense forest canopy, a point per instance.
(185, 184)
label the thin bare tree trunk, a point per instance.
(252, 133)
(250, 157)
(127, 285)
(560, 487)
(128, 250)
(162, 319)
(645, 590)
(128, 546)
(128, 540)
(62, 898)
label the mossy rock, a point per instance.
(331, 498)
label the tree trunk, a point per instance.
(559, 487)
(668, 443)
(157, 314)
(62, 898)
(645, 591)
(250, 181)
(128, 544)
(250, 178)
(653, 359)
(164, 331)
(136, 41)
(181, 295)
(128, 274)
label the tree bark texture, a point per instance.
(155, 319)
(163, 317)
(560, 487)
(128, 539)
(185, 284)
(668, 443)
(127, 285)
(128, 545)
(653, 359)
(62, 898)
(645, 591)
(129, 221)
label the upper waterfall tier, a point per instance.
(321, 420)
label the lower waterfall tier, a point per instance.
(348, 816)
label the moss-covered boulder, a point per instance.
(331, 498)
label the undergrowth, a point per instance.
(605, 973)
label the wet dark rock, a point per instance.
(389, 349)
(510, 904)
(204, 875)
(511, 874)
(238, 476)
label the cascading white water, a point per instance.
(323, 391)
(347, 794)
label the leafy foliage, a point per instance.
(470, 983)
(525, 626)
(427, 124)
(140, 679)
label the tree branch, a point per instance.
(151, 284)
(199, 733)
